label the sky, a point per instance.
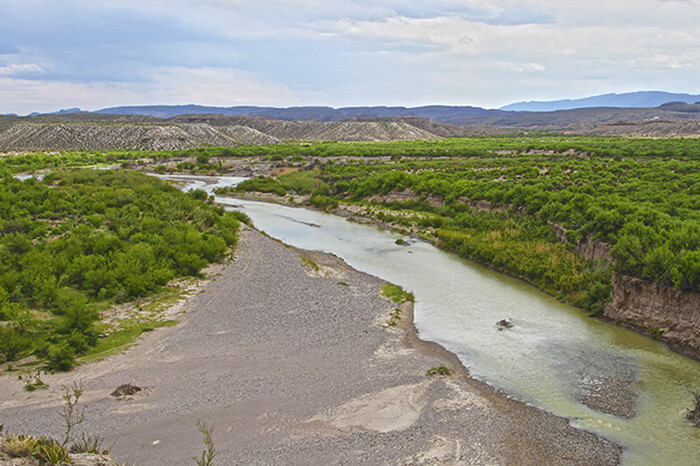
(94, 54)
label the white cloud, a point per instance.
(532, 46)
(453, 34)
(24, 96)
(20, 69)
(522, 67)
(217, 86)
(175, 85)
(349, 52)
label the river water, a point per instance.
(551, 355)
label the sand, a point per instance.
(293, 365)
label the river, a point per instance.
(552, 357)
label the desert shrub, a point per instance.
(262, 184)
(12, 343)
(302, 182)
(61, 358)
(441, 371)
(199, 194)
(323, 202)
(396, 293)
(18, 446)
(50, 451)
(89, 444)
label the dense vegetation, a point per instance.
(206, 158)
(613, 147)
(524, 204)
(82, 238)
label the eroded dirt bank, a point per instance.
(669, 314)
(295, 364)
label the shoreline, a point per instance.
(614, 396)
(292, 367)
(672, 345)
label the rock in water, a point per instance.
(504, 323)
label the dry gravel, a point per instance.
(297, 366)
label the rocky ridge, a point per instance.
(93, 131)
(80, 132)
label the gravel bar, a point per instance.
(289, 355)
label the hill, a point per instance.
(439, 113)
(102, 131)
(448, 115)
(642, 99)
(645, 129)
(81, 131)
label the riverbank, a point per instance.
(645, 313)
(296, 364)
(598, 388)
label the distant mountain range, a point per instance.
(99, 131)
(453, 115)
(444, 114)
(642, 99)
(165, 127)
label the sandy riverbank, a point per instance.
(297, 366)
(597, 387)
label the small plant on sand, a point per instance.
(34, 383)
(50, 451)
(396, 293)
(395, 317)
(72, 416)
(656, 333)
(441, 371)
(308, 262)
(18, 445)
(209, 452)
(45, 449)
(89, 444)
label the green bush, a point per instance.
(78, 342)
(441, 371)
(61, 358)
(396, 293)
(302, 182)
(12, 343)
(199, 194)
(51, 451)
(323, 202)
(262, 184)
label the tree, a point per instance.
(12, 343)
(76, 314)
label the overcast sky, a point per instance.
(98, 53)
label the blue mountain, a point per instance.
(642, 99)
